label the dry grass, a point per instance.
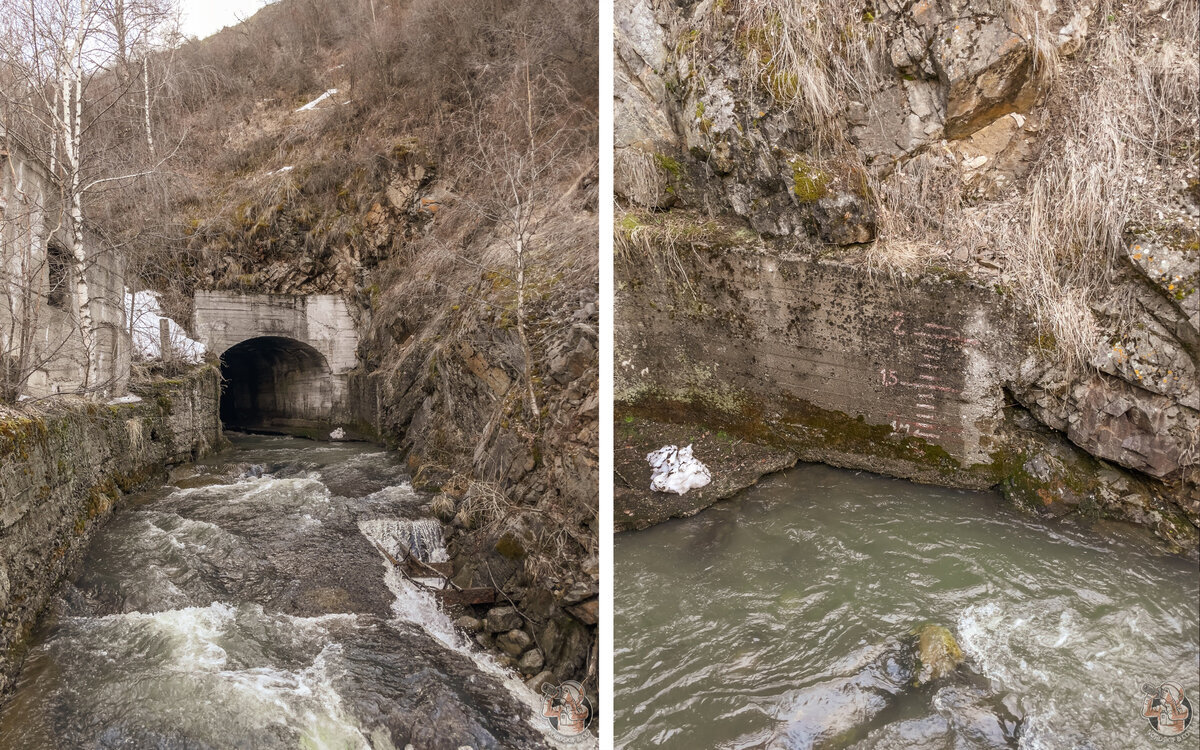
(1121, 124)
(1123, 128)
(550, 539)
(667, 244)
(638, 173)
(810, 55)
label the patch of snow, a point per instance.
(281, 170)
(145, 312)
(130, 399)
(313, 104)
(675, 470)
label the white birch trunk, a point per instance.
(72, 128)
(525, 348)
(146, 103)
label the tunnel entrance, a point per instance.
(275, 384)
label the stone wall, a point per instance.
(64, 465)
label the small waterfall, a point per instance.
(421, 536)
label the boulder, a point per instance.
(565, 644)
(531, 662)
(514, 642)
(541, 678)
(469, 624)
(938, 654)
(579, 591)
(987, 70)
(502, 619)
(845, 219)
(588, 613)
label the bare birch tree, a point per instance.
(54, 52)
(518, 181)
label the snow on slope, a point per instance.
(144, 310)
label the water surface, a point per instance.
(246, 606)
(781, 619)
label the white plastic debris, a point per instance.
(674, 469)
(338, 434)
(144, 310)
(313, 104)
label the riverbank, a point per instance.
(64, 465)
(735, 462)
(937, 378)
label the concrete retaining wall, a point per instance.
(793, 348)
(914, 378)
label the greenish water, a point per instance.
(781, 618)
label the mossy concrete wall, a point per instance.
(899, 376)
(63, 466)
(816, 357)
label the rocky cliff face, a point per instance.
(942, 240)
(519, 493)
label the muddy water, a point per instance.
(245, 607)
(782, 618)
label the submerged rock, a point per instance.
(938, 654)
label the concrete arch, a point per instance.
(277, 384)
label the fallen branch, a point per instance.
(410, 557)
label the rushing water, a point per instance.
(246, 607)
(780, 619)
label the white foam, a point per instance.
(420, 607)
(421, 536)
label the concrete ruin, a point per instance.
(41, 348)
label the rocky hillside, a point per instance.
(436, 165)
(1036, 160)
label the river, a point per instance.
(781, 619)
(244, 606)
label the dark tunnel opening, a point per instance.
(275, 384)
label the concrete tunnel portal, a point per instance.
(275, 384)
(286, 360)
